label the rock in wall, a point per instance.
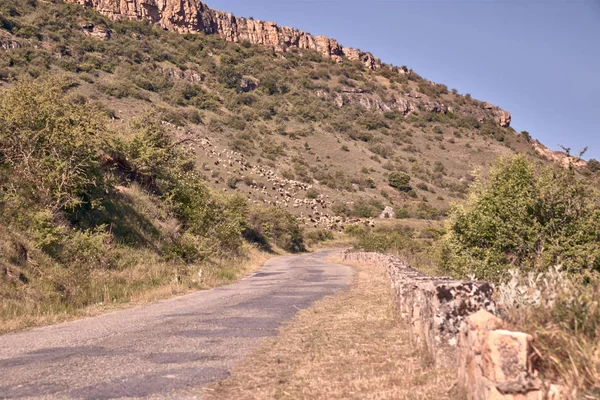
(444, 315)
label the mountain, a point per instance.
(274, 113)
(155, 143)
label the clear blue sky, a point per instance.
(538, 59)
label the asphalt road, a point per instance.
(169, 349)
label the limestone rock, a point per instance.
(248, 84)
(8, 42)
(96, 31)
(388, 212)
(193, 16)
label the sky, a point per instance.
(538, 59)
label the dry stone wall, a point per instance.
(453, 318)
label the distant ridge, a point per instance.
(189, 16)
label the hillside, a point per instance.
(191, 125)
(295, 121)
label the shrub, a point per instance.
(363, 209)
(320, 235)
(312, 194)
(232, 182)
(277, 225)
(356, 230)
(527, 217)
(399, 180)
(229, 77)
(593, 165)
(49, 147)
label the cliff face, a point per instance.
(189, 16)
(193, 16)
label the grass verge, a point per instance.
(138, 285)
(347, 346)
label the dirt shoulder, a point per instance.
(347, 346)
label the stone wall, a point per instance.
(453, 321)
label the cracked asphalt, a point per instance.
(169, 349)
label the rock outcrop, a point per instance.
(8, 42)
(193, 16)
(96, 31)
(559, 157)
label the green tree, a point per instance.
(526, 217)
(229, 77)
(399, 180)
(50, 148)
(593, 165)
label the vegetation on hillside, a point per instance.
(524, 216)
(286, 120)
(85, 209)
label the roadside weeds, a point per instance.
(138, 286)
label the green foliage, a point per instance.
(593, 165)
(50, 148)
(524, 216)
(229, 77)
(399, 180)
(277, 225)
(319, 235)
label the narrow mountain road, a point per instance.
(169, 349)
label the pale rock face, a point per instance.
(388, 213)
(7, 42)
(96, 31)
(193, 16)
(558, 157)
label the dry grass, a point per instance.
(139, 285)
(347, 346)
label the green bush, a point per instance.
(50, 148)
(593, 165)
(399, 180)
(527, 217)
(274, 224)
(320, 235)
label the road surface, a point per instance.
(169, 349)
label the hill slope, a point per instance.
(190, 124)
(290, 125)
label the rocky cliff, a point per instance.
(193, 16)
(190, 16)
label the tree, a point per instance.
(399, 180)
(526, 217)
(593, 165)
(50, 148)
(229, 77)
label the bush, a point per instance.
(593, 165)
(399, 180)
(320, 235)
(229, 77)
(276, 225)
(527, 217)
(50, 148)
